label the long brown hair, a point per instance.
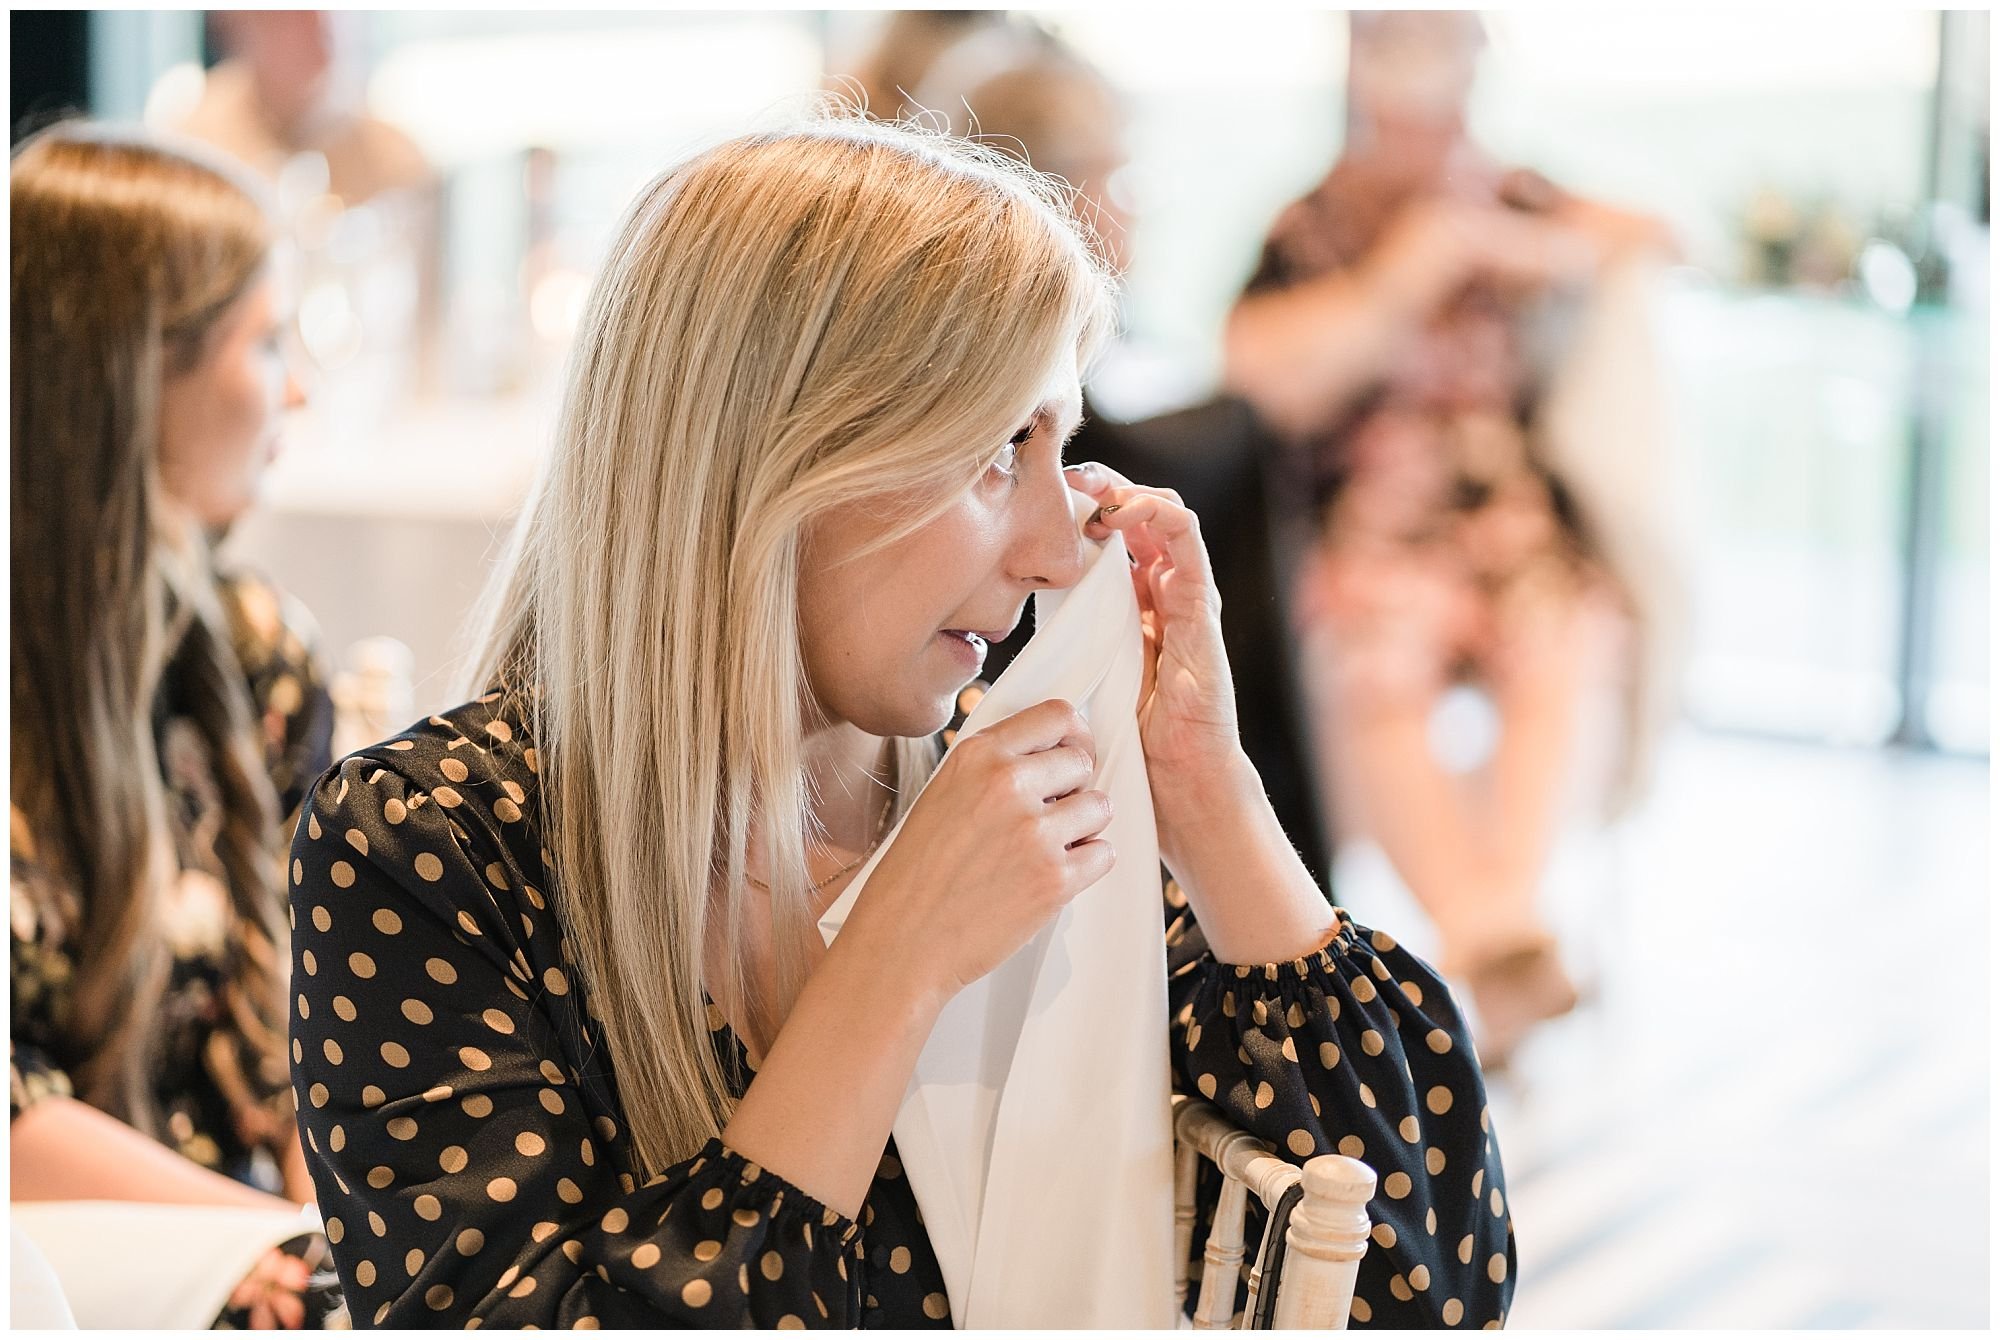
(126, 254)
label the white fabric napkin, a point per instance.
(35, 1299)
(126, 1265)
(1036, 1131)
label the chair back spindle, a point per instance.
(1325, 1233)
(1187, 1167)
(1324, 1244)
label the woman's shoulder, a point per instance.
(480, 749)
(446, 811)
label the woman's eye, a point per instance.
(1005, 463)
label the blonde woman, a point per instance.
(568, 1050)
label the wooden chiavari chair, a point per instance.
(1315, 1231)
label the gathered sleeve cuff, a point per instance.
(1358, 1049)
(731, 1243)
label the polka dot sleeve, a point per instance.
(457, 1106)
(1357, 1049)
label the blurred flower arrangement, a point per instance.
(1896, 260)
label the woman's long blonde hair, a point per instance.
(127, 253)
(793, 320)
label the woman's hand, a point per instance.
(1187, 701)
(273, 1293)
(1436, 244)
(1217, 831)
(1004, 835)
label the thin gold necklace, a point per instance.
(881, 832)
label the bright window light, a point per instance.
(1683, 52)
(465, 98)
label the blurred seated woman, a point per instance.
(165, 718)
(1456, 354)
(569, 1048)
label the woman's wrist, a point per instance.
(1254, 897)
(893, 959)
(821, 1107)
(889, 988)
(1198, 804)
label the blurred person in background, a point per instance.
(354, 196)
(277, 94)
(900, 53)
(1457, 353)
(1017, 88)
(166, 717)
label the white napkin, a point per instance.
(127, 1265)
(35, 1297)
(1036, 1131)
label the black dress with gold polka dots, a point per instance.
(464, 1127)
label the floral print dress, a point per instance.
(223, 1104)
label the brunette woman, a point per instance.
(166, 718)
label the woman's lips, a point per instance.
(966, 645)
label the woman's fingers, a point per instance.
(1093, 478)
(1114, 490)
(294, 1274)
(1157, 521)
(271, 1292)
(1078, 817)
(1089, 862)
(250, 1290)
(289, 1310)
(1044, 726)
(1053, 773)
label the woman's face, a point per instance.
(885, 635)
(219, 418)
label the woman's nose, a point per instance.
(1051, 553)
